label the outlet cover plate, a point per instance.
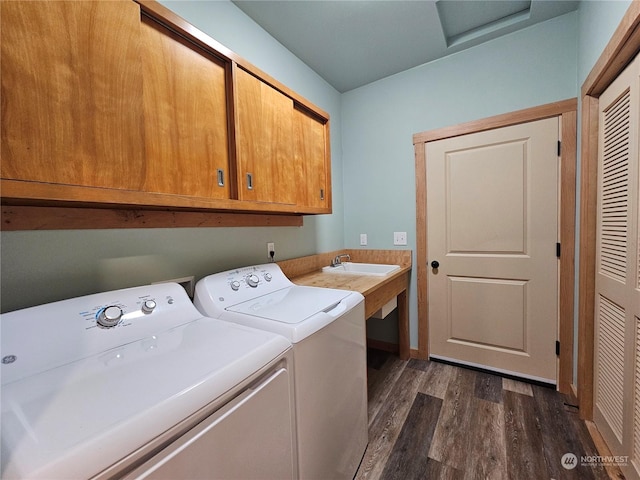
(399, 238)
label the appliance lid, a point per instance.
(291, 305)
(75, 420)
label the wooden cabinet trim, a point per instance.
(46, 194)
(178, 25)
(22, 217)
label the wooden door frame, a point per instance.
(621, 49)
(566, 111)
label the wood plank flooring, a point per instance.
(428, 420)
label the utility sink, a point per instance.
(353, 268)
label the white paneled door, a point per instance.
(617, 289)
(492, 230)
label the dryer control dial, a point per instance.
(148, 306)
(267, 276)
(253, 280)
(235, 285)
(109, 316)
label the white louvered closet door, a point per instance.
(617, 307)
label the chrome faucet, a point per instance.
(337, 261)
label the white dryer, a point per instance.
(327, 329)
(136, 383)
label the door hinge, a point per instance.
(559, 147)
(557, 347)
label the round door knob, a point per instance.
(435, 264)
(253, 280)
(110, 316)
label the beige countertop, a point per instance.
(365, 284)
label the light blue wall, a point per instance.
(527, 68)
(40, 267)
(597, 20)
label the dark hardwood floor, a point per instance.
(429, 420)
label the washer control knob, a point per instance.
(149, 306)
(235, 285)
(253, 280)
(267, 276)
(110, 316)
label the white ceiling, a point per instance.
(351, 43)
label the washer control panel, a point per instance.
(256, 277)
(223, 289)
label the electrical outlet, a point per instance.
(188, 283)
(363, 239)
(271, 247)
(399, 238)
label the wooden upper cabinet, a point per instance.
(123, 103)
(72, 93)
(264, 147)
(313, 161)
(185, 116)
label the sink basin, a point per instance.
(352, 268)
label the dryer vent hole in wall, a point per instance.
(188, 283)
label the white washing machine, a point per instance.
(327, 329)
(136, 383)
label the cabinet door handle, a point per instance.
(250, 181)
(220, 177)
(322, 194)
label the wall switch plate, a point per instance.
(271, 247)
(363, 239)
(399, 238)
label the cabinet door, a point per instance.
(72, 93)
(312, 161)
(185, 116)
(264, 150)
